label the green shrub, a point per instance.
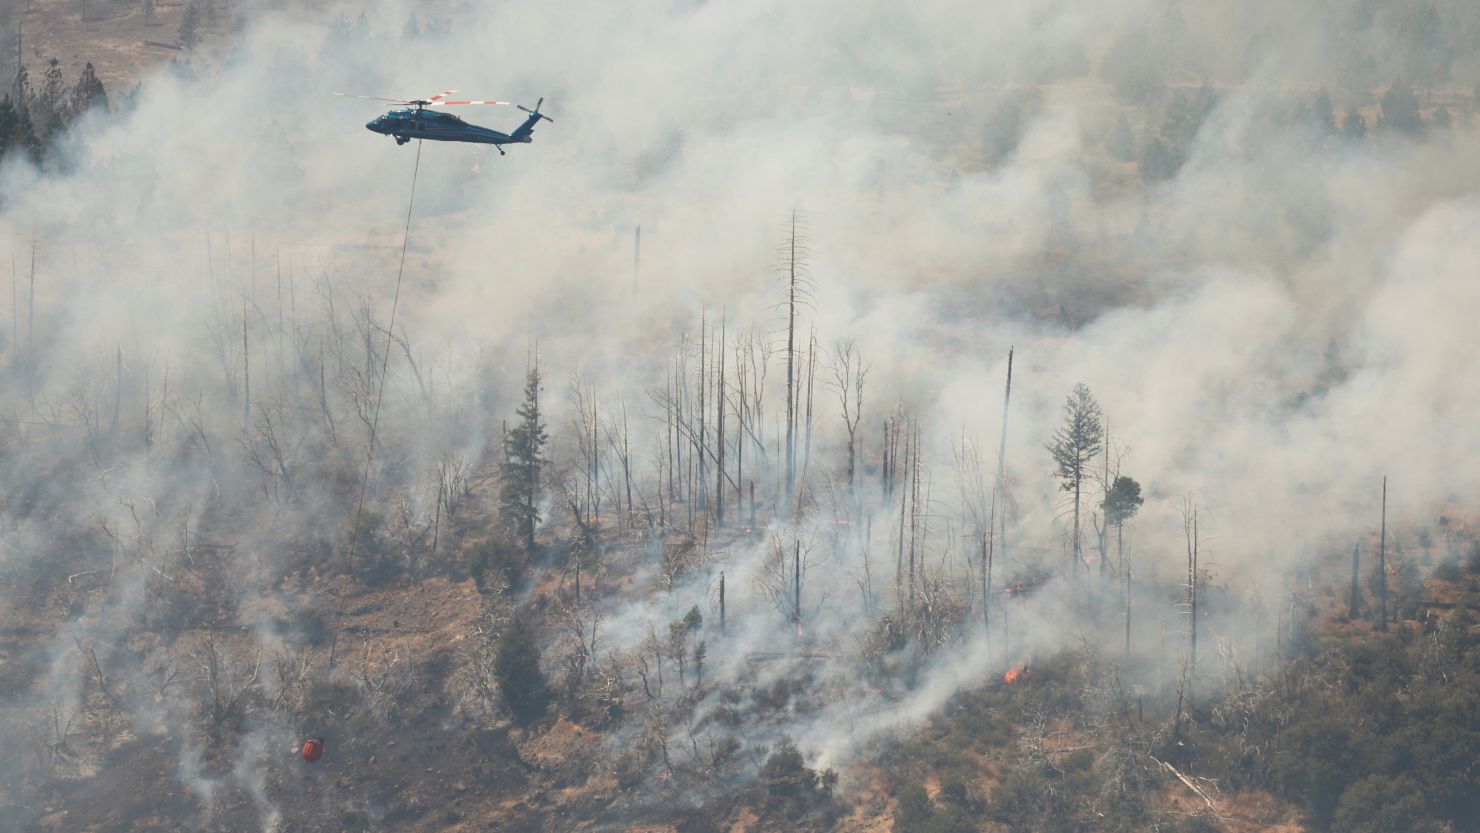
(1379, 804)
(516, 668)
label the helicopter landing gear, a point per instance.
(500, 150)
(401, 140)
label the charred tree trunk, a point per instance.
(811, 371)
(1190, 525)
(794, 255)
(627, 466)
(796, 614)
(117, 390)
(1103, 530)
(885, 463)
(1125, 571)
(999, 492)
(703, 449)
(719, 433)
(1382, 590)
(752, 507)
(31, 334)
(915, 557)
(740, 408)
(987, 546)
(899, 573)
(1076, 556)
(247, 372)
(1354, 603)
(148, 410)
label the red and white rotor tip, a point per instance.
(441, 103)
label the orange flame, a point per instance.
(1018, 672)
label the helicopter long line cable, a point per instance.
(354, 534)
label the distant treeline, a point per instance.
(33, 116)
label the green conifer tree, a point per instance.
(89, 92)
(523, 447)
(516, 669)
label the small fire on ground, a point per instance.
(1018, 672)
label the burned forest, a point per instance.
(963, 417)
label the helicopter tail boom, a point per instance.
(524, 131)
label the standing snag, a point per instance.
(793, 255)
(849, 374)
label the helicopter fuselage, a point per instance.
(431, 125)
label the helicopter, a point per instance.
(421, 123)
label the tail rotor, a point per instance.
(535, 113)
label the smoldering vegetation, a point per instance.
(686, 481)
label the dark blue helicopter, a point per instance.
(437, 126)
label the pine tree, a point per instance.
(89, 92)
(516, 670)
(519, 498)
(22, 138)
(20, 89)
(1075, 444)
(1400, 109)
(53, 95)
(9, 120)
(1121, 503)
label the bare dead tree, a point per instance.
(720, 397)
(849, 373)
(1382, 589)
(811, 373)
(916, 550)
(1189, 528)
(148, 410)
(627, 464)
(899, 572)
(794, 255)
(758, 350)
(48, 731)
(584, 428)
(978, 516)
(783, 576)
(273, 448)
(741, 408)
(701, 447)
(292, 678)
(227, 684)
(246, 371)
(117, 390)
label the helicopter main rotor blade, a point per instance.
(439, 96)
(375, 98)
(447, 103)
